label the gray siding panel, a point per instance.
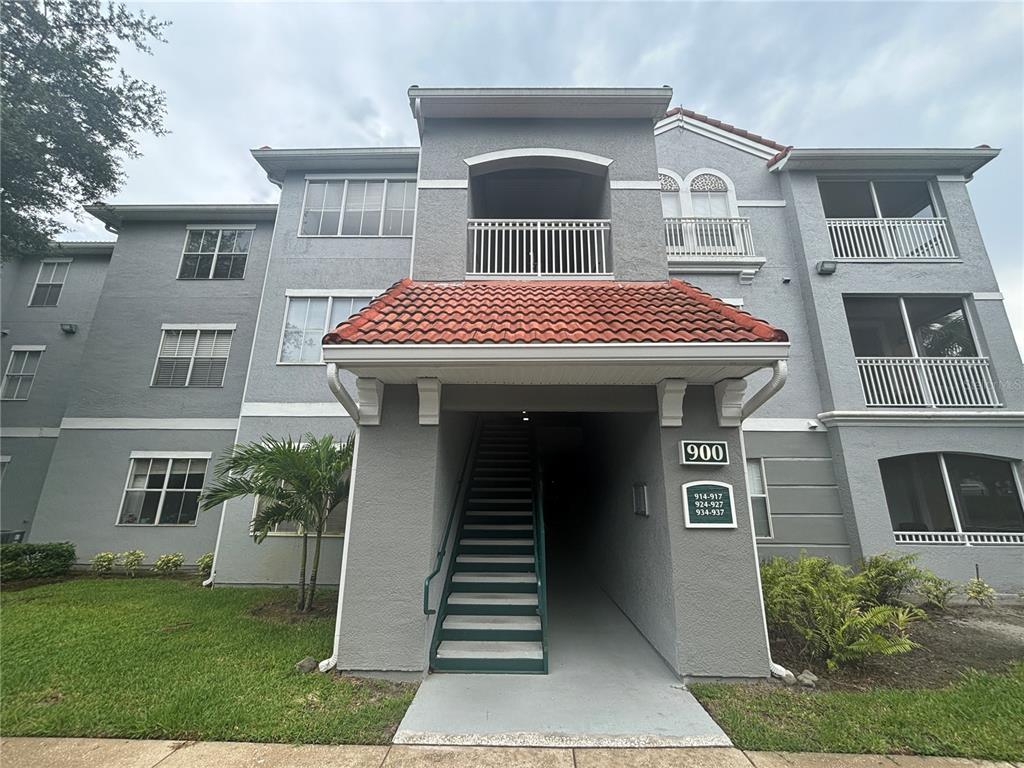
(796, 500)
(799, 472)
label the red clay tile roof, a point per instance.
(523, 311)
(726, 127)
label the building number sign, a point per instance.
(708, 504)
(709, 453)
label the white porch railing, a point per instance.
(705, 236)
(910, 239)
(928, 382)
(951, 537)
(539, 247)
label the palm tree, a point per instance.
(296, 483)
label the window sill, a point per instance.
(715, 264)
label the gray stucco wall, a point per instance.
(627, 553)
(858, 450)
(55, 381)
(82, 496)
(391, 540)
(140, 294)
(637, 235)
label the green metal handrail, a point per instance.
(460, 493)
(539, 559)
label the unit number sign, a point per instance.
(708, 504)
(705, 452)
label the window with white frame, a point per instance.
(359, 208)
(21, 372)
(308, 318)
(49, 282)
(215, 254)
(910, 326)
(952, 492)
(163, 489)
(192, 357)
(709, 196)
(759, 505)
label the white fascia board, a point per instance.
(315, 293)
(715, 134)
(362, 176)
(12, 432)
(213, 425)
(222, 225)
(595, 352)
(859, 159)
(170, 455)
(198, 327)
(923, 418)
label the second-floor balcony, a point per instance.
(706, 236)
(912, 239)
(927, 382)
(539, 248)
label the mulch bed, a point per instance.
(969, 637)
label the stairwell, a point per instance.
(492, 616)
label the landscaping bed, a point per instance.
(164, 658)
(960, 694)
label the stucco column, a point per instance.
(390, 534)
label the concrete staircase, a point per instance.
(490, 618)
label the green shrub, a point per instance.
(166, 565)
(820, 606)
(884, 579)
(131, 560)
(936, 592)
(977, 591)
(34, 561)
(104, 562)
(205, 564)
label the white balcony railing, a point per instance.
(957, 537)
(928, 382)
(703, 236)
(911, 239)
(539, 247)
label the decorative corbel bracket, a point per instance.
(670, 401)
(370, 394)
(729, 401)
(430, 401)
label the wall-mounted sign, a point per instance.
(709, 453)
(708, 504)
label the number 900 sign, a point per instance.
(704, 452)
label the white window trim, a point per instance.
(40, 348)
(908, 329)
(937, 212)
(344, 197)
(687, 200)
(313, 293)
(39, 273)
(216, 252)
(1015, 473)
(767, 500)
(163, 490)
(192, 358)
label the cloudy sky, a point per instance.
(286, 74)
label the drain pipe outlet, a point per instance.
(780, 370)
(782, 673)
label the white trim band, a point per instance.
(198, 327)
(781, 425)
(987, 296)
(761, 203)
(323, 293)
(325, 409)
(341, 176)
(917, 418)
(528, 152)
(170, 455)
(635, 184)
(28, 348)
(442, 184)
(220, 226)
(213, 425)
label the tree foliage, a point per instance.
(69, 114)
(296, 482)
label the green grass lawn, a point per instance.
(167, 659)
(982, 717)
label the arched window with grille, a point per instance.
(709, 196)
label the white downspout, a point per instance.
(350, 405)
(780, 369)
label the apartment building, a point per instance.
(575, 329)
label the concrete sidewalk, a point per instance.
(124, 753)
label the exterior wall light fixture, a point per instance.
(69, 328)
(825, 267)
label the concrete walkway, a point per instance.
(606, 687)
(123, 753)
